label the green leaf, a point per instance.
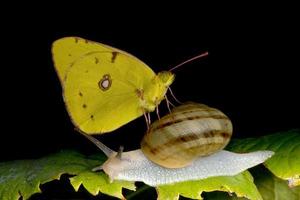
(272, 187)
(269, 186)
(241, 184)
(99, 182)
(285, 163)
(23, 177)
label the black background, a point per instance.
(250, 74)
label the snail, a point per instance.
(183, 145)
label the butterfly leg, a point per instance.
(157, 112)
(147, 120)
(168, 103)
(172, 94)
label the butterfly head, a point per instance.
(166, 78)
(154, 93)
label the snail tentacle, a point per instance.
(106, 150)
(98, 168)
(120, 152)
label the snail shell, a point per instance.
(190, 131)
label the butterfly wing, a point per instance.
(100, 84)
(67, 50)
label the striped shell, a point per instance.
(189, 131)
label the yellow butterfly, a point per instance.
(104, 87)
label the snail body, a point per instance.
(190, 131)
(197, 133)
(135, 166)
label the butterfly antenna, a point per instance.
(106, 150)
(189, 60)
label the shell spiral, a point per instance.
(189, 131)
